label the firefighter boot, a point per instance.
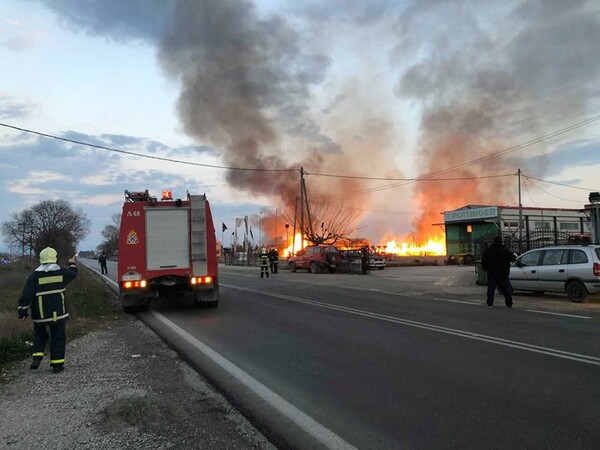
(35, 363)
(57, 368)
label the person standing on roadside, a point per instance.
(496, 261)
(44, 294)
(274, 260)
(264, 262)
(102, 262)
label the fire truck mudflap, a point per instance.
(167, 249)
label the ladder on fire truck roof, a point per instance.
(198, 233)
(138, 196)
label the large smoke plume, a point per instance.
(483, 75)
(488, 76)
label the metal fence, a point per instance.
(531, 240)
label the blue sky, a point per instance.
(381, 89)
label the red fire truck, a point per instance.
(167, 248)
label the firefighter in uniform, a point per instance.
(44, 293)
(264, 262)
(274, 259)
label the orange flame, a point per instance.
(435, 246)
(295, 246)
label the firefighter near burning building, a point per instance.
(167, 249)
(274, 260)
(264, 262)
(44, 294)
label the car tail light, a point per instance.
(597, 269)
(201, 280)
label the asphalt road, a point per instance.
(400, 358)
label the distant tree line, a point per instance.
(50, 223)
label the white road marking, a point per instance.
(558, 314)
(587, 359)
(450, 300)
(304, 421)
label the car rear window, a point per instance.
(579, 257)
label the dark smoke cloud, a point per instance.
(245, 79)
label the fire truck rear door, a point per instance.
(167, 238)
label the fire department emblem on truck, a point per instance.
(132, 238)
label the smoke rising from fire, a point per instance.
(487, 82)
(481, 76)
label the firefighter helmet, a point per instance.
(263, 250)
(48, 256)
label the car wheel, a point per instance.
(381, 268)
(313, 267)
(292, 267)
(331, 270)
(576, 291)
(468, 259)
(130, 309)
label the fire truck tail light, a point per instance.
(201, 280)
(134, 284)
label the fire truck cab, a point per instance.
(167, 248)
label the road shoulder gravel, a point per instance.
(122, 387)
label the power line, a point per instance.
(405, 179)
(490, 156)
(551, 195)
(141, 155)
(402, 181)
(559, 184)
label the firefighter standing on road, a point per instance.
(44, 294)
(274, 259)
(264, 262)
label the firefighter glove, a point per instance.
(23, 313)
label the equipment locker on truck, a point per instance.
(167, 248)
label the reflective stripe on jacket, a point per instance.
(264, 260)
(44, 293)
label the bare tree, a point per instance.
(110, 233)
(326, 222)
(19, 232)
(50, 223)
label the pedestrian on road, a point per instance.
(44, 294)
(102, 262)
(264, 262)
(496, 261)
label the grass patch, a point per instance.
(90, 303)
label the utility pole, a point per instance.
(301, 207)
(520, 215)
(293, 252)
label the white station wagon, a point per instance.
(574, 269)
